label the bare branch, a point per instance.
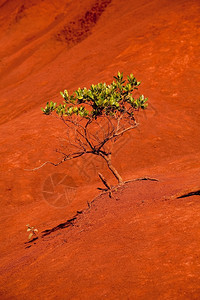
(65, 158)
(116, 135)
(86, 134)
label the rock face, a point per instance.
(146, 245)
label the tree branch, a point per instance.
(116, 135)
(65, 158)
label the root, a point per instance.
(107, 185)
(112, 189)
(142, 178)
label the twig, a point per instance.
(66, 157)
(142, 178)
(104, 181)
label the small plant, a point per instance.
(33, 231)
(97, 117)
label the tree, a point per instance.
(97, 117)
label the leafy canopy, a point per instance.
(100, 100)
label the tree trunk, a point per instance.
(112, 169)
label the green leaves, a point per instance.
(119, 78)
(100, 99)
(138, 103)
(49, 108)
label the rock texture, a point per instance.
(144, 242)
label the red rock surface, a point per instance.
(144, 243)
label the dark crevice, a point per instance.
(64, 225)
(197, 193)
(29, 243)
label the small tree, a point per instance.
(97, 117)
